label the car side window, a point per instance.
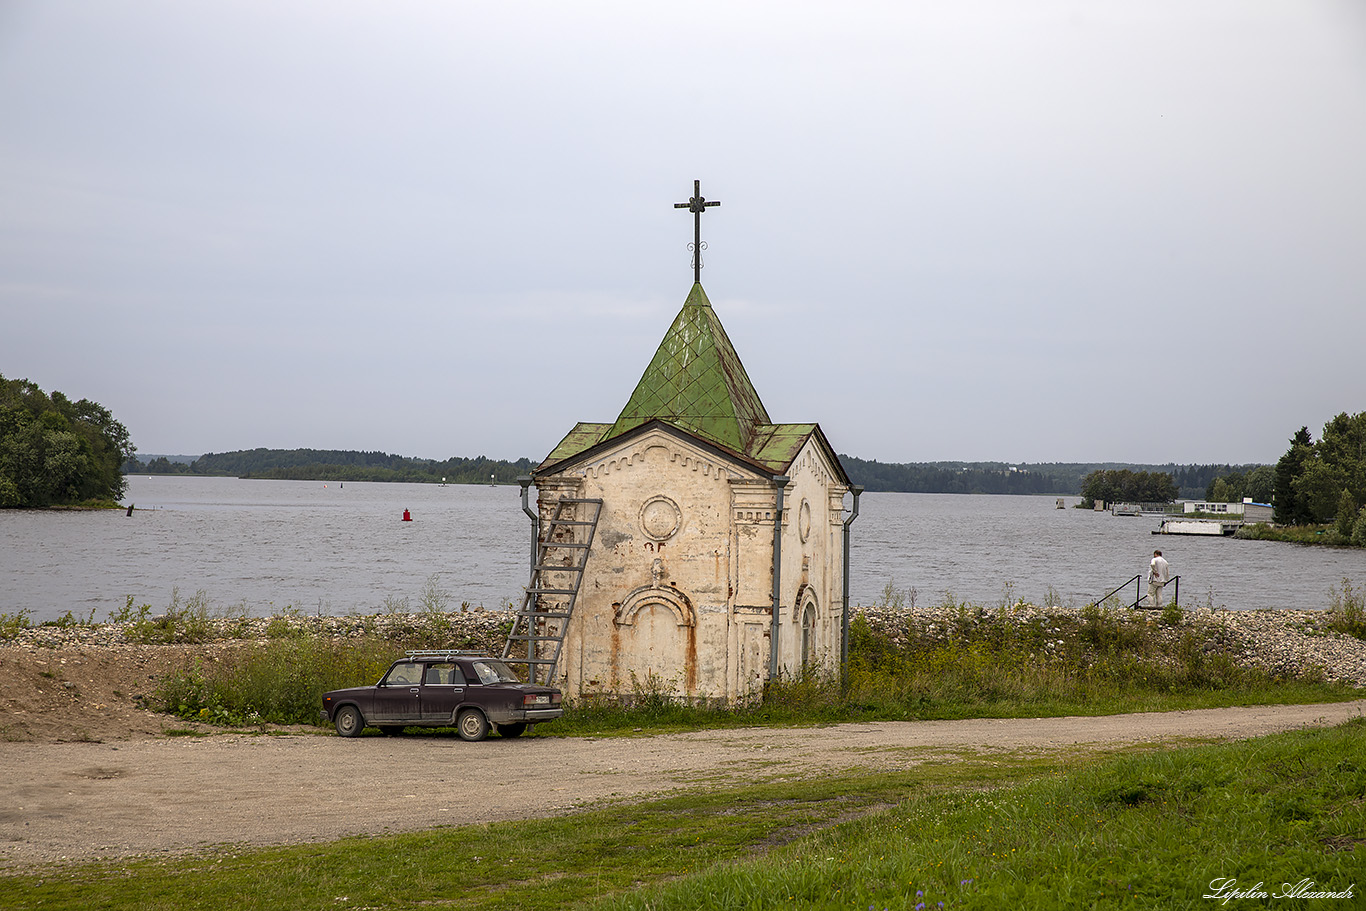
(441, 675)
(406, 674)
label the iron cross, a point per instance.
(696, 206)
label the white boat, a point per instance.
(1197, 527)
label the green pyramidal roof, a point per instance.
(696, 382)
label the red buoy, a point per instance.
(407, 516)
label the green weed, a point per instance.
(279, 682)
(11, 625)
(1347, 609)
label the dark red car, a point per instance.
(443, 689)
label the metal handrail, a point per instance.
(1138, 591)
(1176, 598)
(1112, 591)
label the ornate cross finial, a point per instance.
(696, 206)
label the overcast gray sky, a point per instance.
(1025, 231)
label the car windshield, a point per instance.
(405, 673)
(494, 672)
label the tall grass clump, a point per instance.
(11, 625)
(1347, 609)
(187, 622)
(280, 681)
(982, 661)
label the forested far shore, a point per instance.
(1038, 478)
(1045, 478)
(337, 465)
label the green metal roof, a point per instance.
(696, 382)
(577, 440)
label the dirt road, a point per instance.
(84, 800)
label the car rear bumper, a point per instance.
(526, 716)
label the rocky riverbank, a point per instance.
(91, 682)
(1285, 643)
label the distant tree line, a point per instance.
(338, 465)
(1126, 486)
(1057, 478)
(1256, 483)
(1325, 481)
(957, 477)
(1045, 478)
(56, 452)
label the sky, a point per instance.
(1129, 231)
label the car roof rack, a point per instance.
(446, 653)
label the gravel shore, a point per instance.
(1282, 642)
(1286, 643)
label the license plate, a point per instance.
(543, 700)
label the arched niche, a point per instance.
(651, 595)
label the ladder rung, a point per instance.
(562, 598)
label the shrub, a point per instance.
(1347, 514)
(181, 623)
(1347, 609)
(1359, 531)
(13, 624)
(279, 682)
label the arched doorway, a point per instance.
(808, 634)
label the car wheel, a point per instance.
(348, 721)
(472, 725)
(512, 730)
(391, 729)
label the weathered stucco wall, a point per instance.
(677, 590)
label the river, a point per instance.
(261, 546)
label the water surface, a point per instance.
(263, 545)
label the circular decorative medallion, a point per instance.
(804, 520)
(660, 518)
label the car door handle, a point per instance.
(413, 691)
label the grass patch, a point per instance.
(278, 682)
(1347, 610)
(1160, 830)
(11, 625)
(1295, 534)
(987, 663)
(1000, 662)
(1147, 829)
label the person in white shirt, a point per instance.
(1158, 571)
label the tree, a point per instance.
(54, 451)
(1224, 489)
(1289, 508)
(1260, 484)
(1336, 462)
(1311, 477)
(1347, 514)
(1359, 530)
(1111, 485)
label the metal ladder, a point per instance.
(543, 619)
